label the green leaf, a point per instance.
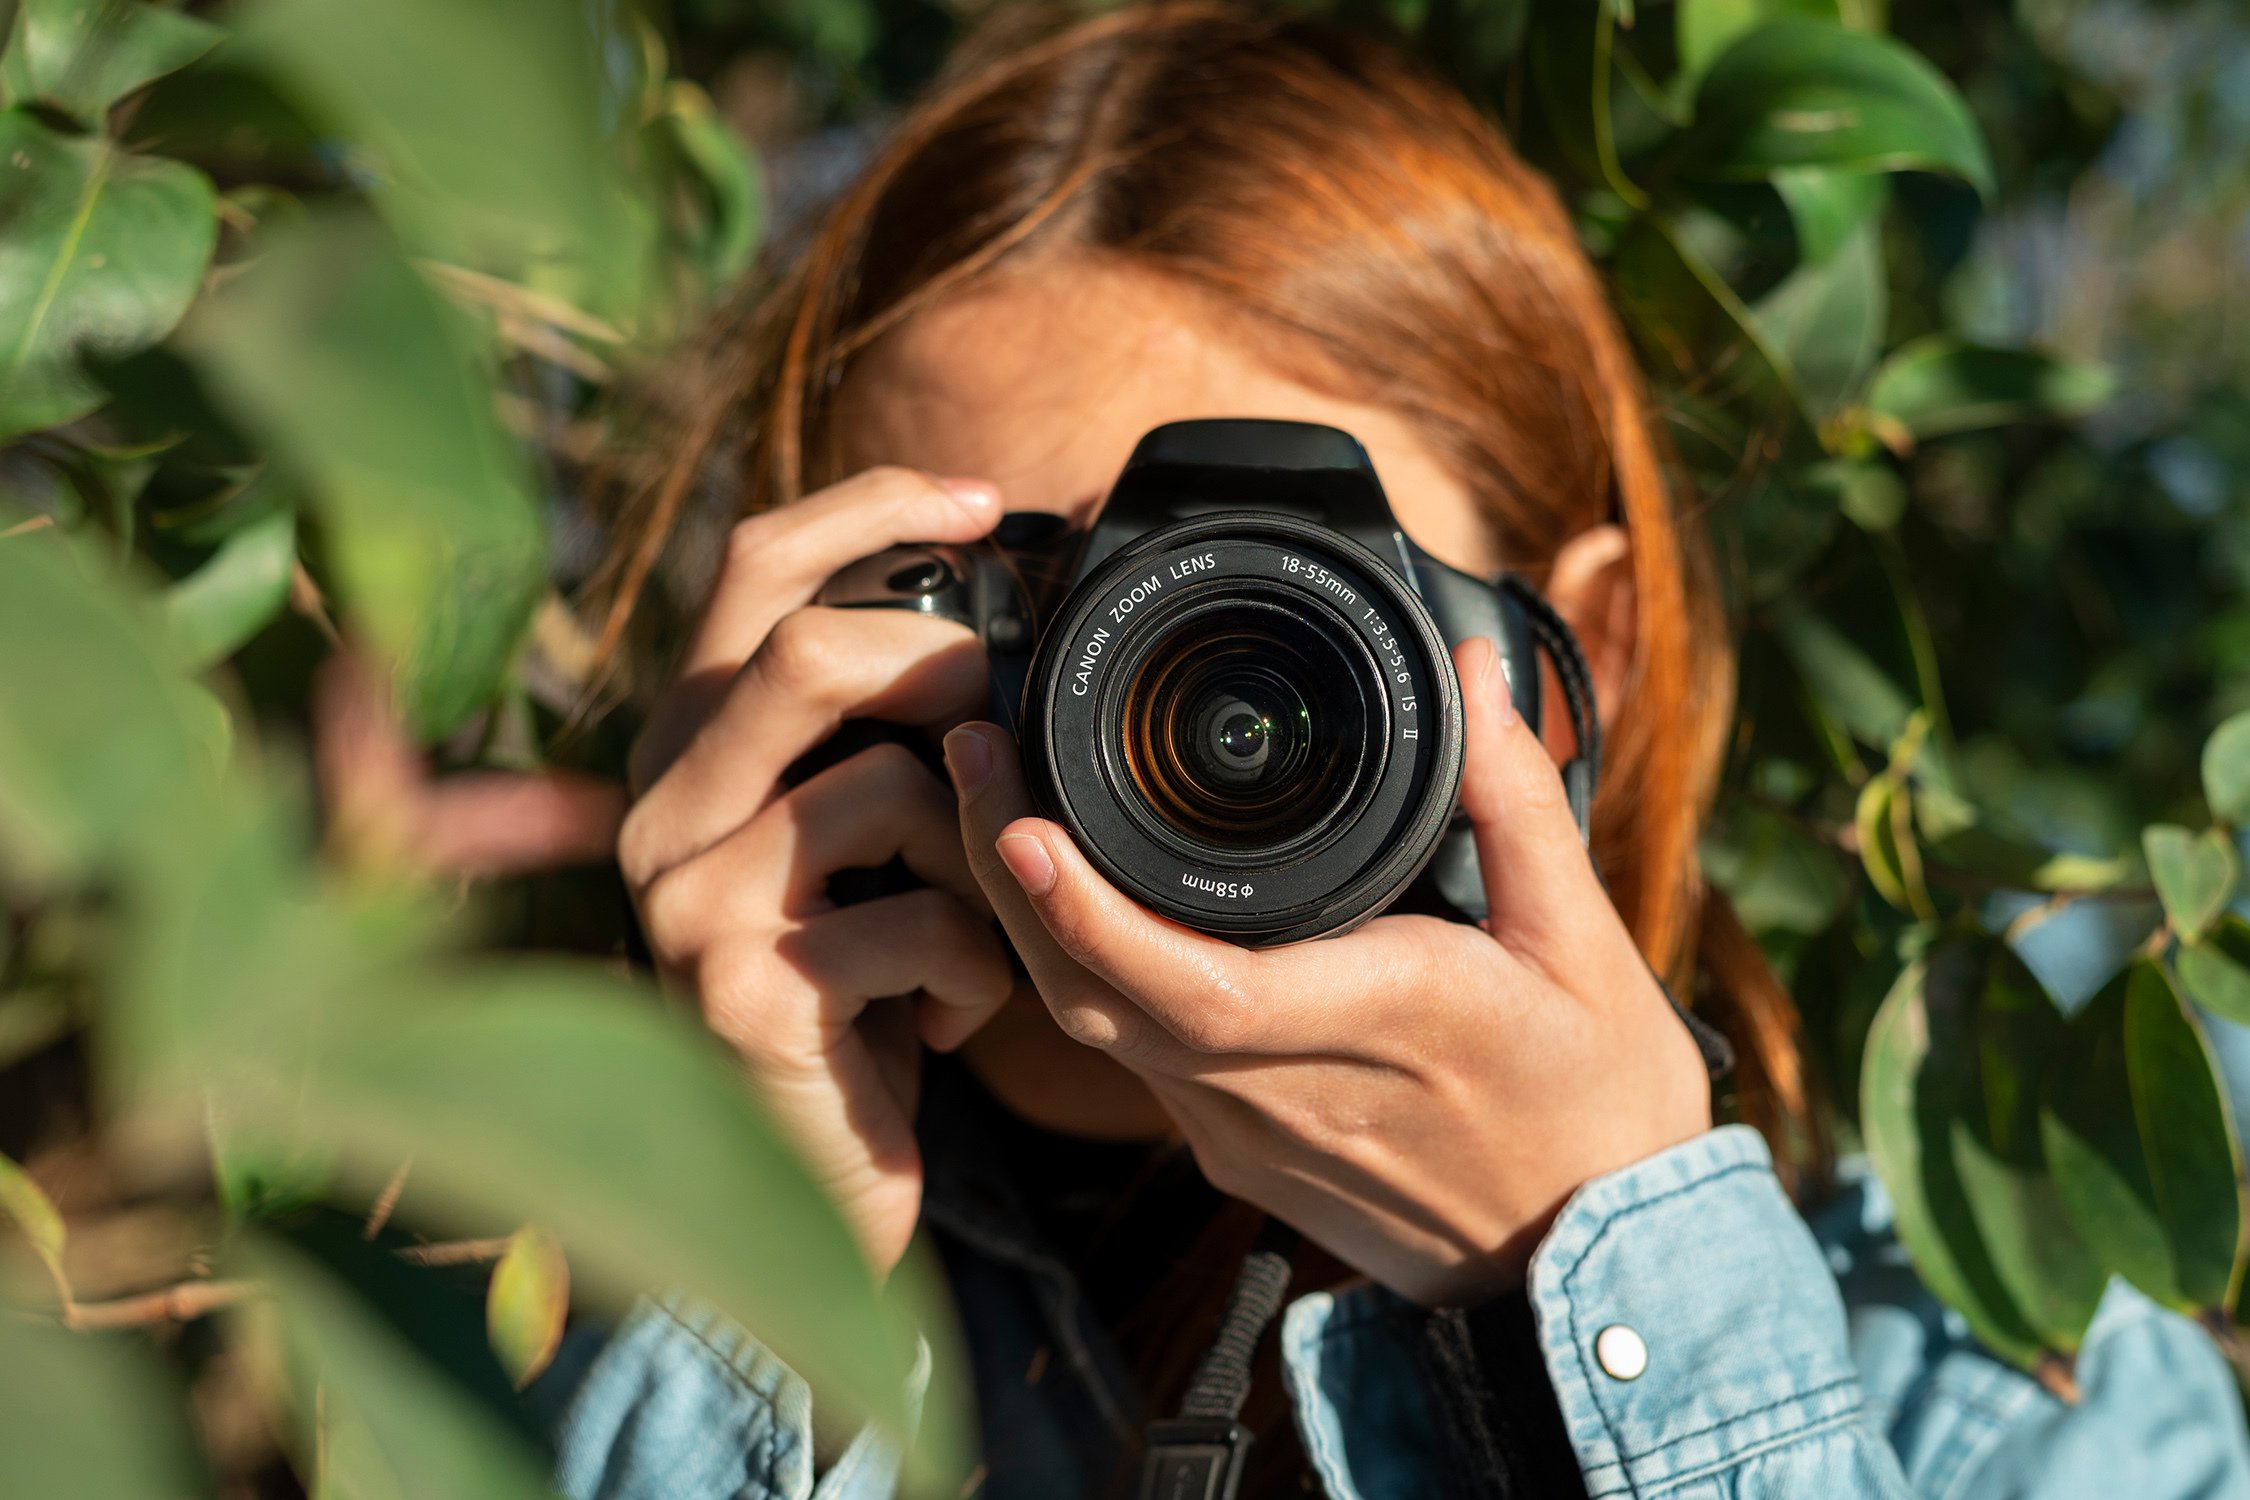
(1798, 93)
(483, 1077)
(729, 177)
(81, 56)
(1911, 1088)
(374, 396)
(2009, 1031)
(1826, 321)
(389, 1425)
(527, 1303)
(87, 1417)
(2137, 1133)
(216, 609)
(1939, 385)
(1778, 878)
(485, 128)
(26, 1205)
(1871, 495)
(2215, 970)
(1828, 207)
(1704, 29)
(103, 252)
(1854, 691)
(100, 745)
(2194, 875)
(2226, 770)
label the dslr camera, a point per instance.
(1235, 689)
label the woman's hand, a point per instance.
(728, 867)
(1419, 1096)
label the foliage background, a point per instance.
(310, 316)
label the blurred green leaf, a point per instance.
(371, 392)
(1778, 877)
(386, 1423)
(1703, 29)
(102, 254)
(2194, 875)
(87, 1417)
(488, 128)
(27, 1206)
(1850, 687)
(1870, 494)
(1798, 93)
(100, 748)
(728, 174)
(2226, 770)
(527, 1303)
(482, 1077)
(1826, 321)
(2137, 1133)
(2215, 969)
(1939, 385)
(1829, 207)
(81, 56)
(1911, 1087)
(219, 606)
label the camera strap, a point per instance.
(1203, 1453)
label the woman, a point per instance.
(1533, 1266)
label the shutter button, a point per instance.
(1621, 1352)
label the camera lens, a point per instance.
(1244, 727)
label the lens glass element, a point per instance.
(1246, 728)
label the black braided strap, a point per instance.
(1222, 1380)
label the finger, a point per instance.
(776, 562)
(923, 942)
(817, 668)
(1204, 993)
(857, 814)
(1537, 873)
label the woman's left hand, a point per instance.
(1419, 1096)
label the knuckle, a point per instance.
(800, 656)
(637, 856)
(1224, 1019)
(890, 771)
(673, 910)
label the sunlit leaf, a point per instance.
(2226, 770)
(1910, 1094)
(87, 1417)
(376, 398)
(1939, 385)
(2137, 1134)
(102, 253)
(2215, 970)
(81, 56)
(527, 1303)
(2194, 874)
(243, 585)
(729, 177)
(1799, 93)
(26, 1205)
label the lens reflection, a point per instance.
(1245, 727)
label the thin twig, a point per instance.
(455, 1252)
(183, 1303)
(380, 1214)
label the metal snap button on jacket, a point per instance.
(1620, 1352)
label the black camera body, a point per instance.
(1236, 689)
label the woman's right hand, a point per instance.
(728, 867)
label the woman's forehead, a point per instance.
(1043, 379)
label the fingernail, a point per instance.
(978, 495)
(1026, 859)
(969, 758)
(1490, 679)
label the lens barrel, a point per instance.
(1249, 723)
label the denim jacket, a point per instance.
(1701, 1339)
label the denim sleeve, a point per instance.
(682, 1404)
(1698, 1346)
